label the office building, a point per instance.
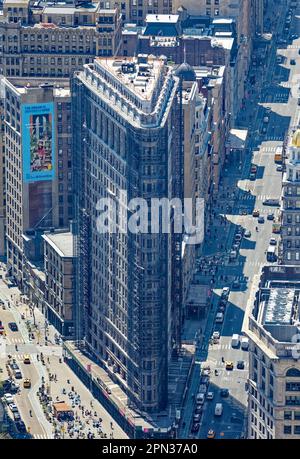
(2, 174)
(274, 351)
(38, 166)
(290, 212)
(53, 40)
(126, 137)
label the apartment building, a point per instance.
(59, 270)
(290, 211)
(126, 137)
(38, 165)
(198, 41)
(46, 39)
(274, 366)
(136, 10)
(212, 85)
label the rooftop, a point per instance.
(279, 307)
(138, 74)
(61, 242)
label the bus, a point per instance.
(271, 253)
(278, 155)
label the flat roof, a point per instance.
(61, 242)
(279, 307)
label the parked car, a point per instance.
(18, 374)
(8, 398)
(261, 219)
(13, 408)
(195, 427)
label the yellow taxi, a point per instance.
(27, 383)
(26, 359)
(255, 213)
(211, 434)
(229, 365)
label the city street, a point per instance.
(61, 384)
(275, 97)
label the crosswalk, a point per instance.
(14, 341)
(40, 436)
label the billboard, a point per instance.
(38, 140)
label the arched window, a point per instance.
(294, 372)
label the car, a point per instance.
(261, 219)
(279, 168)
(197, 417)
(240, 364)
(236, 284)
(195, 427)
(294, 36)
(252, 176)
(27, 383)
(271, 202)
(210, 395)
(238, 237)
(26, 359)
(264, 130)
(216, 335)
(292, 62)
(211, 434)
(200, 398)
(225, 292)
(224, 393)
(255, 213)
(198, 409)
(247, 233)
(270, 216)
(299, 51)
(16, 415)
(13, 326)
(219, 318)
(21, 428)
(14, 366)
(13, 408)
(8, 398)
(229, 365)
(18, 374)
(273, 241)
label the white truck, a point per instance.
(218, 409)
(245, 343)
(235, 340)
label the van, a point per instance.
(219, 318)
(235, 340)
(218, 409)
(245, 343)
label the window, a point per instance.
(288, 415)
(287, 429)
(297, 430)
(293, 372)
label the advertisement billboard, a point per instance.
(38, 139)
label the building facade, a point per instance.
(274, 367)
(43, 39)
(126, 126)
(59, 281)
(290, 211)
(38, 166)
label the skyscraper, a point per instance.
(126, 137)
